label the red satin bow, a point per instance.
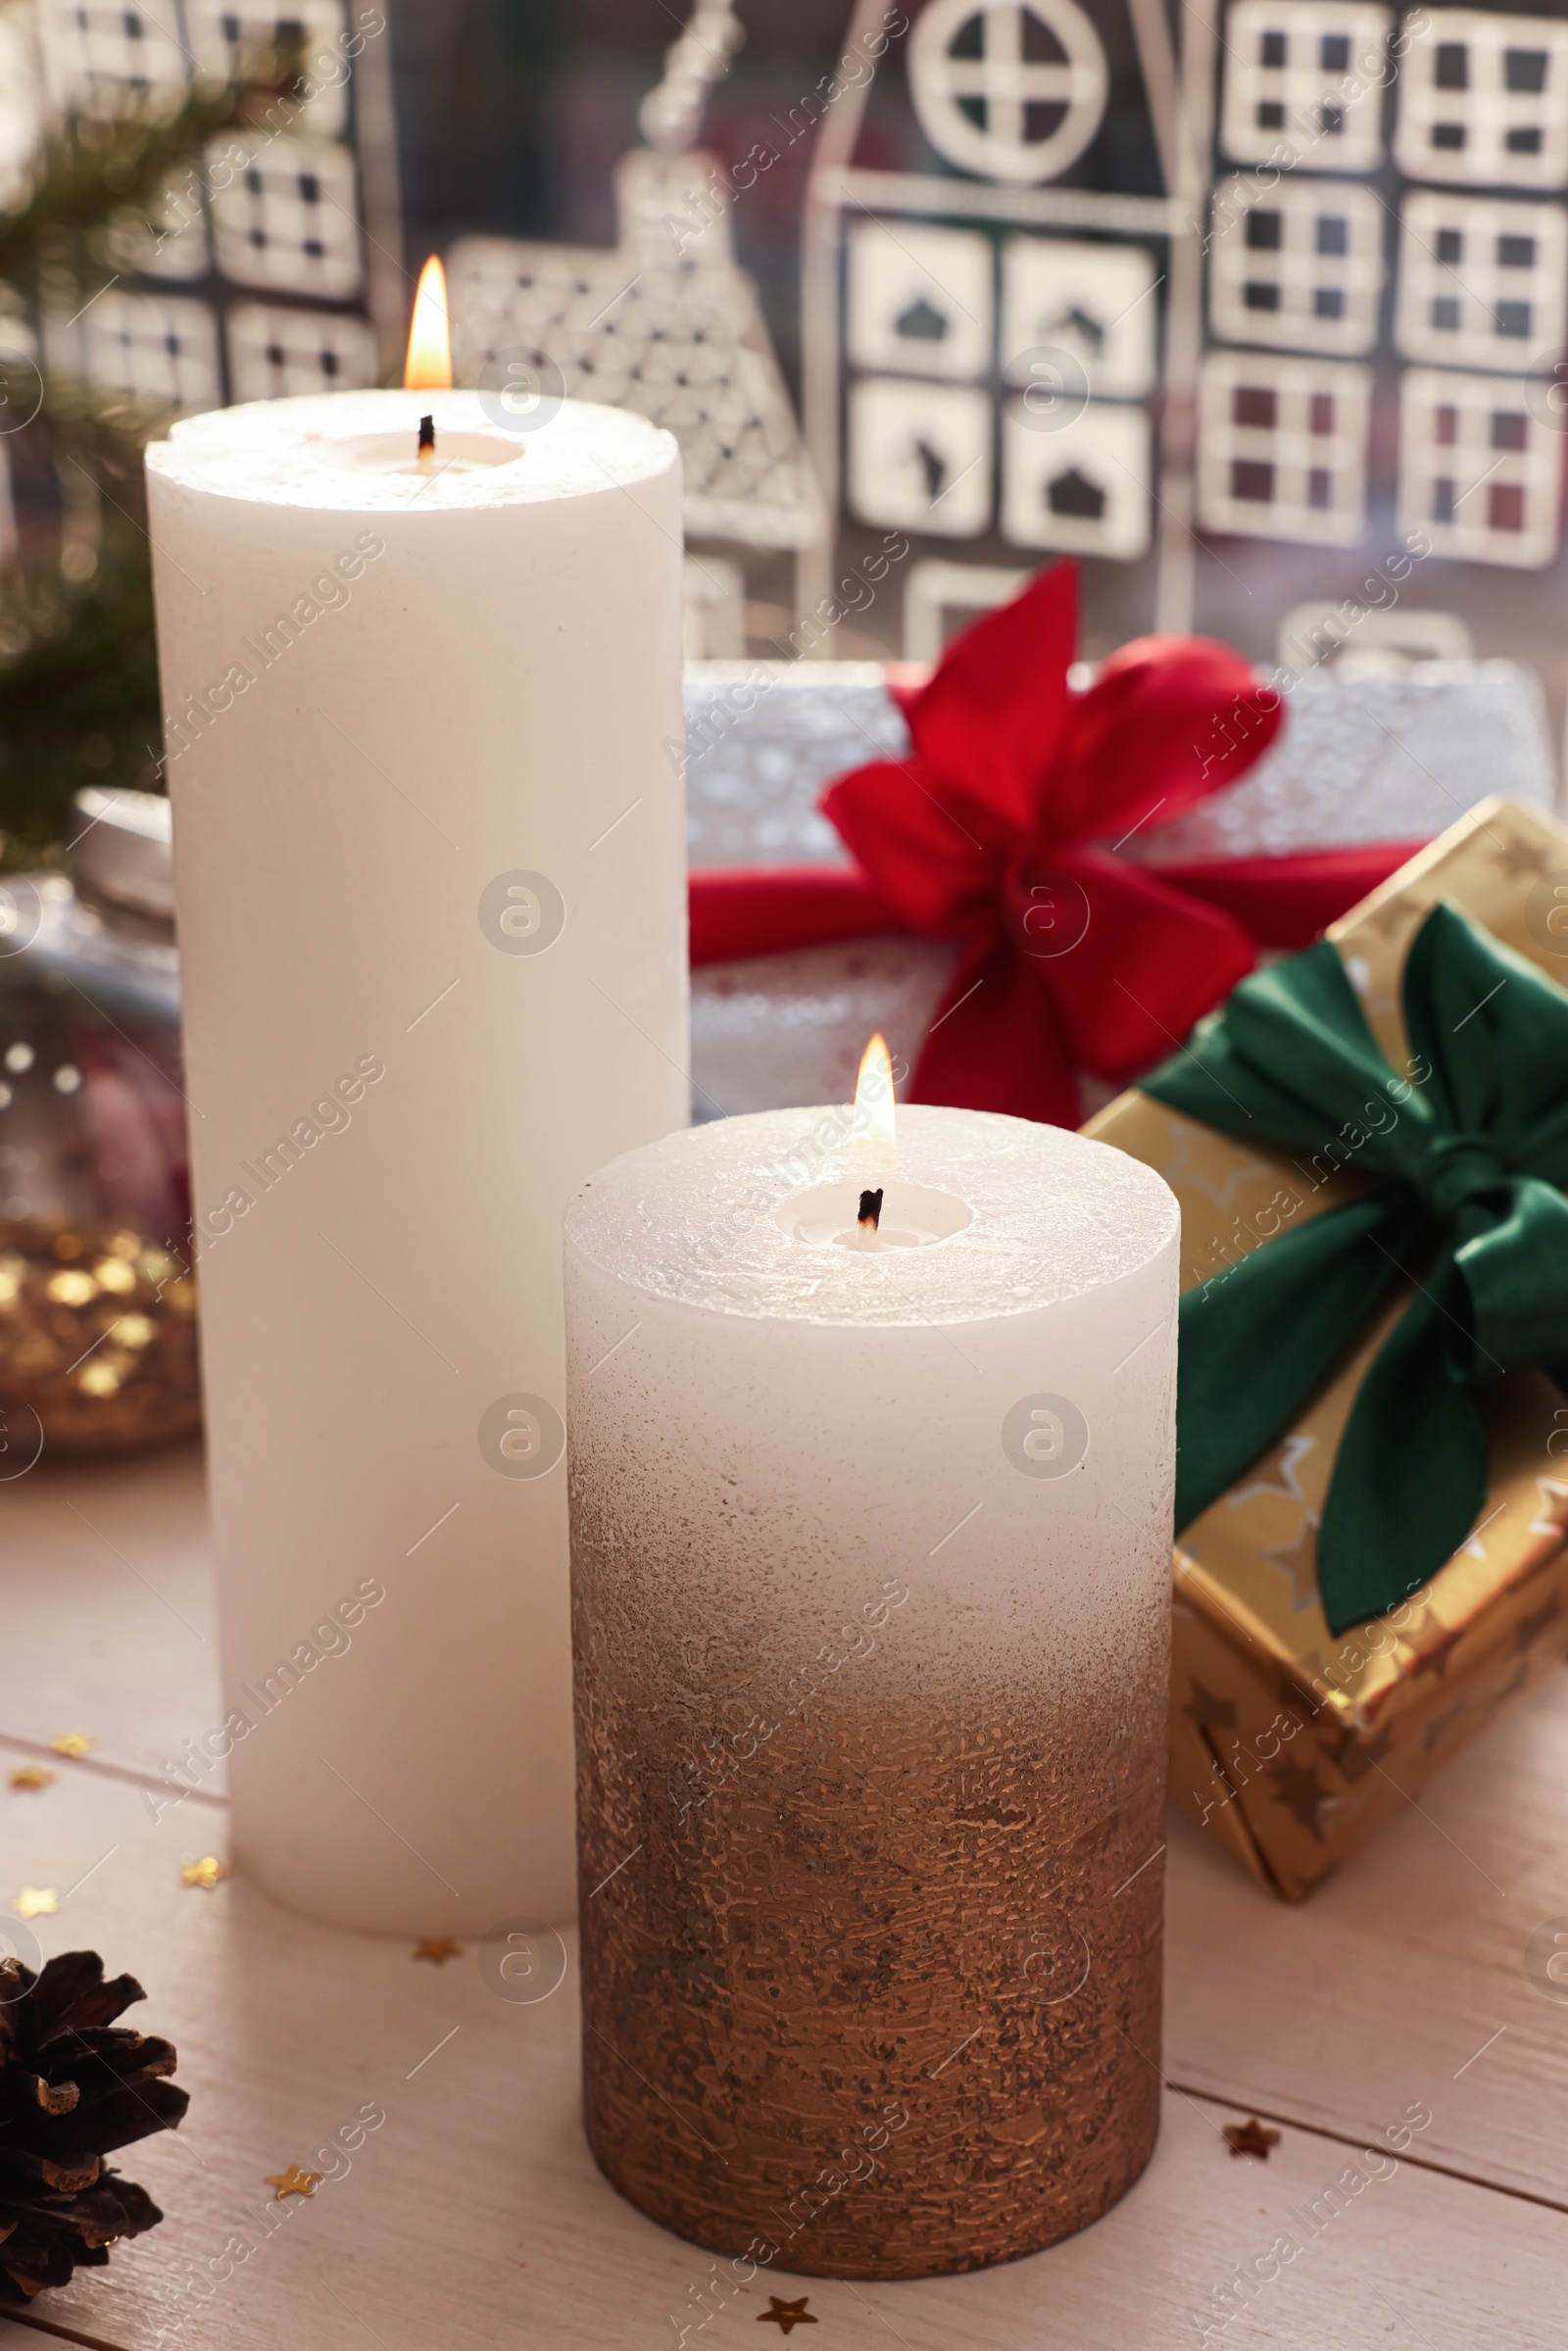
(1067, 959)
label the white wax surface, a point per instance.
(448, 680)
(301, 454)
(696, 1220)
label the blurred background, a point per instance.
(513, 115)
(1255, 309)
(1238, 304)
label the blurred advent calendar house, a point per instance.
(1230, 301)
(663, 322)
(278, 273)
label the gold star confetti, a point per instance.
(207, 1873)
(785, 2315)
(73, 1742)
(1250, 2137)
(437, 1949)
(36, 1902)
(294, 2181)
(31, 1775)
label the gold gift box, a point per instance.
(1287, 1743)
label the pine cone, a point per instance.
(72, 2087)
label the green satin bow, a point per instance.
(1470, 1161)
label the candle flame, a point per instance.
(874, 1135)
(428, 366)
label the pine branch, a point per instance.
(61, 635)
(78, 660)
(78, 695)
(106, 431)
(94, 166)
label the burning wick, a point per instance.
(429, 365)
(916, 1215)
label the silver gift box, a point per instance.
(1359, 759)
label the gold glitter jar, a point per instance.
(872, 1496)
(97, 1305)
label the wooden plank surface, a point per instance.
(108, 1607)
(1404, 1974)
(474, 2216)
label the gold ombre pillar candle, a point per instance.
(420, 671)
(871, 1477)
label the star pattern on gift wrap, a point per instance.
(785, 2315)
(1396, 914)
(31, 1776)
(1286, 1458)
(1551, 1508)
(36, 1902)
(1190, 1166)
(1438, 1729)
(294, 2181)
(1210, 1712)
(1301, 1791)
(1520, 859)
(209, 1873)
(437, 1949)
(1352, 1757)
(1250, 2137)
(1528, 1631)
(1518, 1681)
(73, 1743)
(1297, 1559)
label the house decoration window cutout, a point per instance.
(1482, 100)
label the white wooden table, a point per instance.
(474, 2216)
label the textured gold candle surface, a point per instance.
(873, 1995)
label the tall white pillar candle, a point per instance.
(871, 1540)
(430, 889)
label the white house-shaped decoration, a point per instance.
(1281, 452)
(1300, 269)
(662, 322)
(1092, 302)
(1259, 349)
(1480, 475)
(291, 220)
(1084, 487)
(1479, 102)
(1481, 280)
(93, 53)
(921, 456)
(157, 347)
(982, 342)
(309, 223)
(275, 354)
(920, 299)
(1013, 89)
(1287, 67)
(1483, 100)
